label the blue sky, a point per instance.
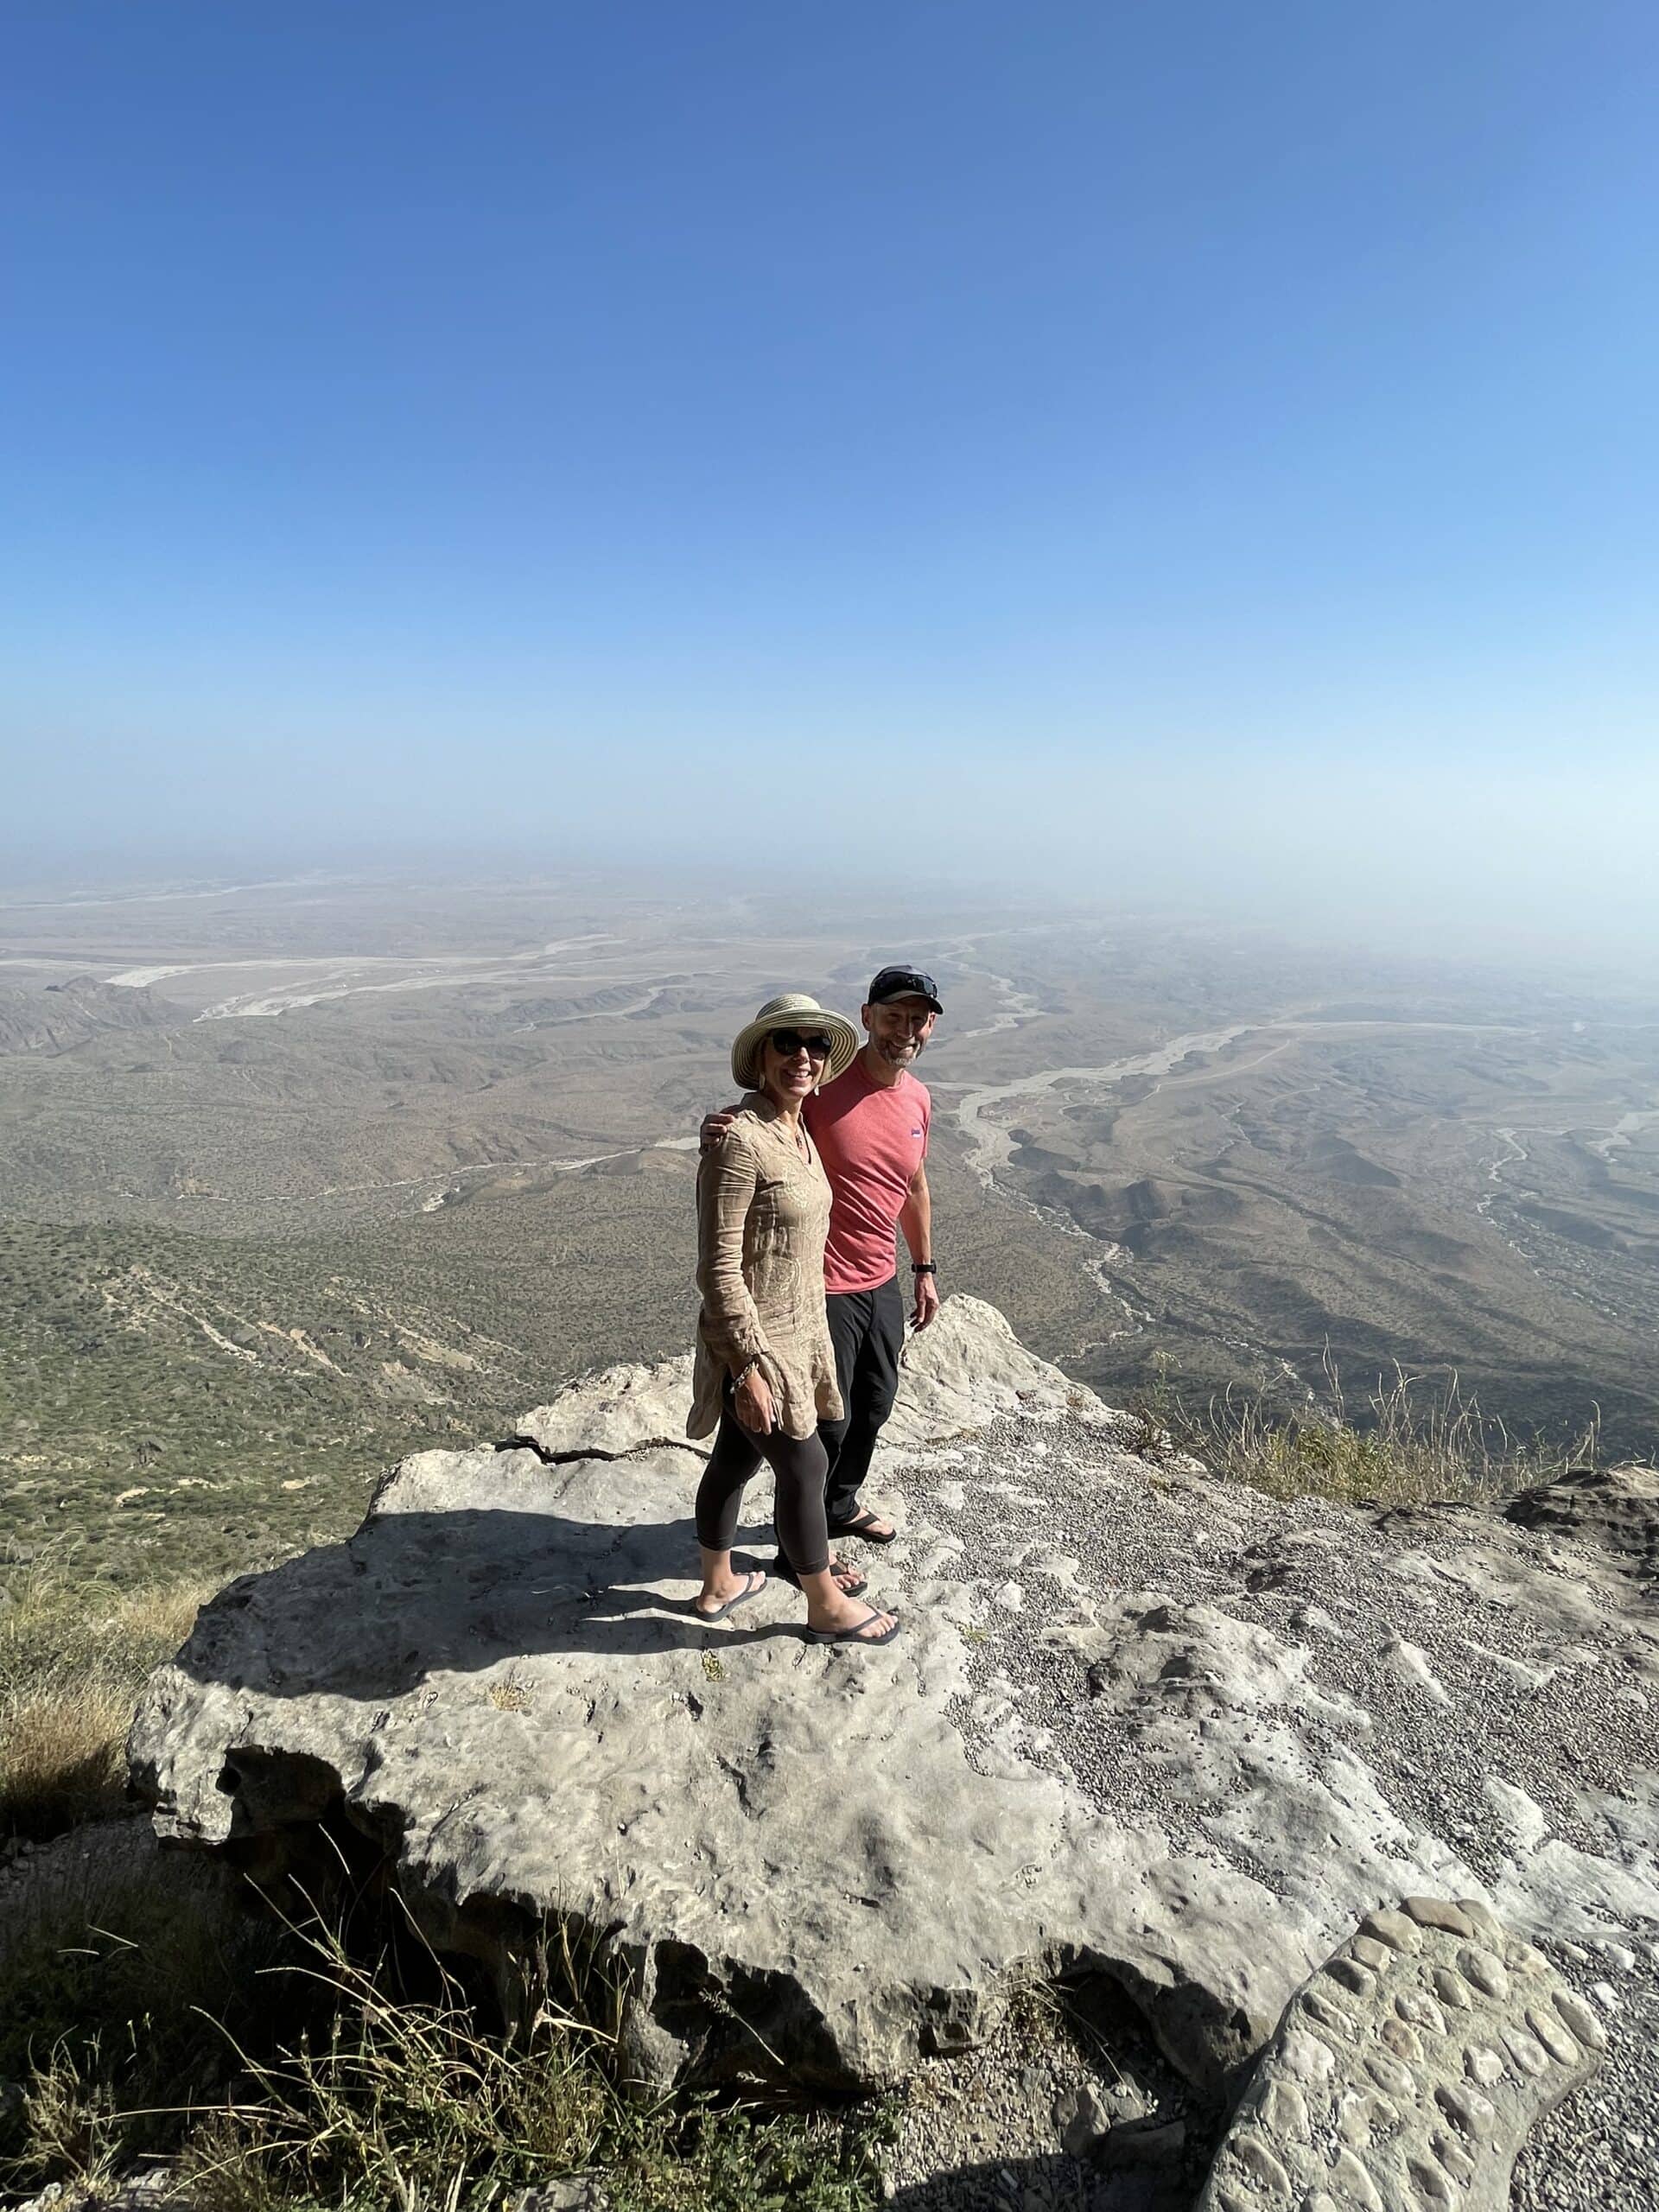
(1039, 432)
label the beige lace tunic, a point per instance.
(763, 1213)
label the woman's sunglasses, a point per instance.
(789, 1041)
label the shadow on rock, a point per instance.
(415, 1594)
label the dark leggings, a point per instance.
(799, 1465)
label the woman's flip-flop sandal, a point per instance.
(856, 1634)
(863, 1524)
(856, 1588)
(752, 1588)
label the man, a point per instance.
(871, 1127)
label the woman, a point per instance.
(765, 1370)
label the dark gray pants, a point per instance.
(798, 1466)
(866, 1328)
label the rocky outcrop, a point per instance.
(500, 1679)
(1140, 1729)
(967, 1371)
(1406, 2074)
(1614, 1508)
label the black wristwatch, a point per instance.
(923, 1267)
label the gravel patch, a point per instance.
(1500, 1685)
(987, 2131)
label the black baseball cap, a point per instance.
(903, 983)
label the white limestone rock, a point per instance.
(612, 1412)
(966, 1369)
(835, 1862)
(500, 1679)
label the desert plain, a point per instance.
(297, 1175)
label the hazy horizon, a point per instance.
(1164, 456)
(925, 897)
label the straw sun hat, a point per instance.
(794, 1010)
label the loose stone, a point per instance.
(1393, 1928)
(1439, 1912)
(1453, 2158)
(1450, 1988)
(1484, 1970)
(1421, 2011)
(1582, 2020)
(1466, 2109)
(1553, 2036)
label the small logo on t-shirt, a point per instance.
(915, 1133)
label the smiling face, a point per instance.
(898, 1028)
(790, 1071)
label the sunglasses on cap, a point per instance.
(789, 1041)
(904, 983)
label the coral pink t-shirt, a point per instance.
(872, 1140)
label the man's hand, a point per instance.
(927, 1301)
(751, 1403)
(714, 1126)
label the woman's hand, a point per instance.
(752, 1403)
(715, 1126)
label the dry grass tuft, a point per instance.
(60, 1754)
(74, 1651)
(1412, 1440)
(282, 2074)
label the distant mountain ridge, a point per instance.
(66, 1014)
